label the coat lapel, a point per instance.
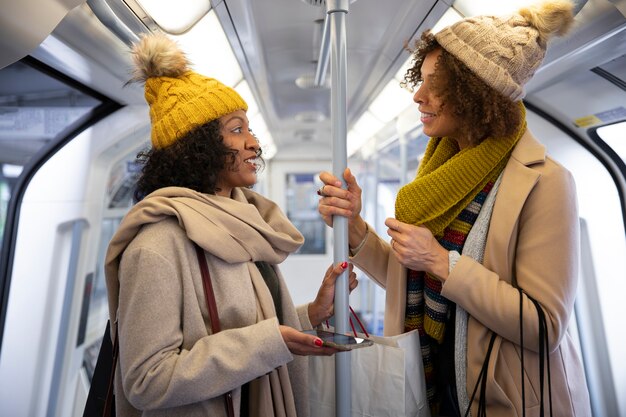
(518, 180)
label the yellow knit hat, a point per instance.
(506, 51)
(179, 99)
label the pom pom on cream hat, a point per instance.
(505, 51)
(179, 98)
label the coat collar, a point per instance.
(529, 151)
(518, 179)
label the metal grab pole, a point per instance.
(322, 62)
(336, 18)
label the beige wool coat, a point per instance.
(170, 364)
(533, 244)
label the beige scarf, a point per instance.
(245, 228)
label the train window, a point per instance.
(613, 135)
(122, 184)
(35, 108)
(302, 211)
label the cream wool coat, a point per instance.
(533, 243)
(170, 364)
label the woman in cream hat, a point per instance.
(483, 258)
(194, 195)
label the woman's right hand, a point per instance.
(342, 202)
(304, 344)
(338, 201)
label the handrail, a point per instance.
(322, 61)
(336, 17)
(105, 14)
(70, 284)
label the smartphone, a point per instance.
(340, 341)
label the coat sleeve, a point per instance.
(544, 253)
(157, 369)
(373, 257)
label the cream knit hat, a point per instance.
(506, 51)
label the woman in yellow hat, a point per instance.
(194, 193)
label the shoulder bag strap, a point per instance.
(101, 397)
(213, 316)
(482, 380)
(544, 360)
(544, 354)
(109, 403)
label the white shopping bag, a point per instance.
(387, 380)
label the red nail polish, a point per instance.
(318, 342)
(344, 265)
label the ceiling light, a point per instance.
(355, 142)
(391, 101)
(489, 7)
(175, 19)
(213, 59)
(259, 127)
(449, 17)
(243, 88)
(403, 69)
(11, 171)
(368, 124)
(307, 81)
(310, 116)
(363, 129)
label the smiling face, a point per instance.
(438, 120)
(239, 137)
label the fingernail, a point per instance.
(318, 342)
(344, 265)
(319, 192)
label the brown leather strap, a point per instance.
(209, 295)
(213, 317)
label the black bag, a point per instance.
(101, 399)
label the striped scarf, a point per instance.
(430, 317)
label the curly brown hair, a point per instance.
(194, 161)
(482, 111)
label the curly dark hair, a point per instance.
(482, 111)
(194, 161)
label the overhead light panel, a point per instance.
(243, 88)
(470, 8)
(403, 69)
(355, 141)
(368, 124)
(175, 17)
(11, 171)
(215, 58)
(366, 127)
(390, 102)
(449, 17)
(259, 127)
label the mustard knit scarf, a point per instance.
(448, 179)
